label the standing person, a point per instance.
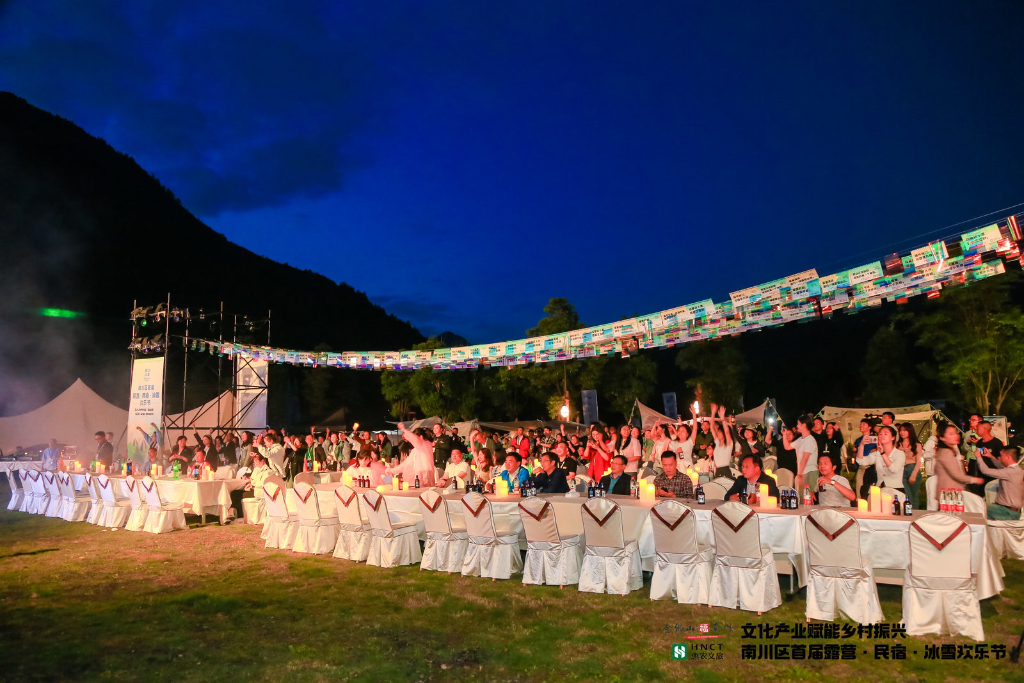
(818, 430)
(913, 453)
(888, 460)
(597, 454)
(547, 440)
(704, 437)
(51, 457)
(631, 449)
(987, 446)
(970, 441)
(723, 450)
(807, 455)
(1010, 496)
(521, 443)
(313, 452)
(785, 453)
(947, 471)
(104, 450)
(420, 462)
(274, 454)
(834, 445)
(863, 446)
(684, 453)
(385, 447)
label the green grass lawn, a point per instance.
(210, 603)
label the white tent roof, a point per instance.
(648, 416)
(754, 415)
(216, 412)
(73, 418)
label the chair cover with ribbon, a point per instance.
(839, 574)
(305, 478)
(975, 503)
(931, 490)
(76, 506)
(713, 491)
(115, 512)
(938, 586)
(316, 535)
(1007, 537)
(56, 501)
(991, 491)
(745, 575)
(281, 526)
(447, 540)
(39, 497)
(785, 477)
(27, 498)
(17, 490)
(353, 534)
(897, 494)
(137, 518)
(96, 507)
(725, 482)
(551, 558)
(682, 568)
(254, 510)
(611, 562)
(393, 542)
(161, 517)
(493, 550)
(770, 463)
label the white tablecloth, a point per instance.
(8, 465)
(196, 497)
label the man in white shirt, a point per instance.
(806, 448)
(833, 490)
(455, 470)
(51, 457)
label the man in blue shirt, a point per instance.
(617, 483)
(514, 471)
(51, 457)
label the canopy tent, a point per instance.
(754, 415)
(73, 418)
(648, 416)
(831, 413)
(530, 424)
(923, 417)
(217, 412)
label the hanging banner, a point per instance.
(669, 400)
(589, 397)
(865, 273)
(145, 408)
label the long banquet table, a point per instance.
(884, 539)
(197, 497)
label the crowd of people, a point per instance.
(885, 454)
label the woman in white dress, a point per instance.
(420, 462)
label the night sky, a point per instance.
(462, 163)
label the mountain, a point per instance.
(86, 229)
(449, 340)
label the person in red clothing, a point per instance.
(521, 443)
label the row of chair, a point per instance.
(737, 572)
(53, 494)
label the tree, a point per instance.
(562, 317)
(717, 367)
(450, 394)
(889, 378)
(976, 334)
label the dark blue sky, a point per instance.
(463, 164)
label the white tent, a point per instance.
(754, 415)
(921, 416)
(648, 416)
(214, 413)
(73, 418)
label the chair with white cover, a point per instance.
(1007, 537)
(938, 587)
(36, 493)
(493, 550)
(305, 478)
(137, 517)
(393, 542)
(447, 540)
(27, 498)
(581, 469)
(611, 562)
(161, 517)
(551, 558)
(713, 491)
(975, 503)
(647, 472)
(353, 534)
(17, 490)
(839, 574)
(991, 491)
(76, 506)
(281, 526)
(115, 511)
(316, 535)
(224, 472)
(897, 494)
(745, 575)
(56, 502)
(784, 477)
(96, 509)
(931, 490)
(682, 568)
(725, 482)
(770, 463)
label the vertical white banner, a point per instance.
(251, 396)
(145, 409)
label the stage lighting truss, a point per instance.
(147, 344)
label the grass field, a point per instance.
(210, 604)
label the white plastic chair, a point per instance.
(713, 491)
(55, 504)
(682, 568)
(137, 517)
(938, 586)
(393, 543)
(353, 534)
(611, 562)
(839, 574)
(745, 575)
(447, 540)
(551, 558)
(493, 550)
(115, 512)
(281, 526)
(76, 507)
(785, 477)
(161, 517)
(17, 490)
(316, 535)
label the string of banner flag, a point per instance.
(975, 255)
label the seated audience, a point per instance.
(833, 489)
(671, 483)
(1011, 483)
(752, 477)
(552, 478)
(618, 482)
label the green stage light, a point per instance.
(59, 313)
